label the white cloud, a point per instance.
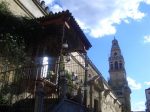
(147, 1)
(138, 106)
(147, 83)
(146, 38)
(133, 84)
(47, 2)
(56, 8)
(101, 16)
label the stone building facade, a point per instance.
(147, 93)
(118, 79)
(98, 96)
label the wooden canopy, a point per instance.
(60, 28)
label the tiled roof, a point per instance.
(61, 18)
(42, 6)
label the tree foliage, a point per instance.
(12, 48)
(12, 45)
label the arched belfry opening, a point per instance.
(120, 65)
(116, 65)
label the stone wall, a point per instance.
(110, 104)
(100, 98)
(26, 8)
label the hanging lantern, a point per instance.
(65, 45)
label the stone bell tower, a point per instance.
(118, 80)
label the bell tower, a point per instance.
(118, 80)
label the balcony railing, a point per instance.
(18, 88)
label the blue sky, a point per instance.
(129, 22)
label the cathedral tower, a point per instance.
(118, 80)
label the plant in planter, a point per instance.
(71, 87)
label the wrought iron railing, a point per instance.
(18, 87)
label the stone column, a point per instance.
(85, 80)
(39, 95)
(63, 84)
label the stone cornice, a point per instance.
(42, 9)
(24, 8)
(38, 4)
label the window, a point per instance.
(111, 66)
(45, 67)
(95, 105)
(114, 43)
(116, 65)
(119, 93)
(115, 54)
(120, 65)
